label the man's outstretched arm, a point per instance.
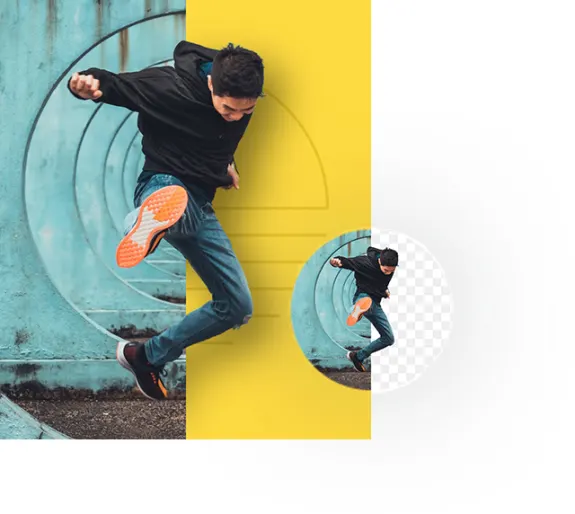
(343, 262)
(148, 89)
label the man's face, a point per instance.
(386, 270)
(232, 109)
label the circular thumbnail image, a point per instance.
(322, 301)
(372, 310)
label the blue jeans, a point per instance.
(379, 320)
(200, 238)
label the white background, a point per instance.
(473, 155)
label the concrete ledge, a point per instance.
(58, 379)
(155, 320)
(16, 423)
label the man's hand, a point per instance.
(235, 177)
(336, 263)
(387, 293)
(85, 86)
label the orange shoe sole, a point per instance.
(359, 309)
(160, 211)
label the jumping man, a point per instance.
(373, 273)
(192, 117)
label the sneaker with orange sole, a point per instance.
(359, 309)
(132, 357)
(357, 364)
(160, 211)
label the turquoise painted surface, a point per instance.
(68, 172)
(16, 423)
(322, 300)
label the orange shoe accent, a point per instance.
(162, 388)
(160, 211)
(359, 309)
(158, 381)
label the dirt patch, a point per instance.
(131, 333)
(22, 336)
(353, 379)
(170, 299)
(34, 390)
(111, 419)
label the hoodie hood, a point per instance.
(187, 60)
(373, 254)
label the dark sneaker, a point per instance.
(132, 357)
(156, 240)
(357, 364)
(160, 211)
(359, 309)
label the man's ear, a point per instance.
(210, 85)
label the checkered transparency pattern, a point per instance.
(420, 311)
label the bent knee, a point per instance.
(387, 337)
(242, 310)
(237, 310)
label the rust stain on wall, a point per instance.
(103, 8)
(52, 11)
(148, 8)
(99, 17)
(180, 24)
(51, 23)
(124, 48)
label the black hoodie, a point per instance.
(183, 134)
(368, 275)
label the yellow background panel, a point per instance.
(305, 179)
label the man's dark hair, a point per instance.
(237, 72)
(389, 257)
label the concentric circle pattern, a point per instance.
(82, 164)
(322, 300)
(420, 311)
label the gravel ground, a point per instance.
(111, 419)
(104, 418)
(350, 378)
